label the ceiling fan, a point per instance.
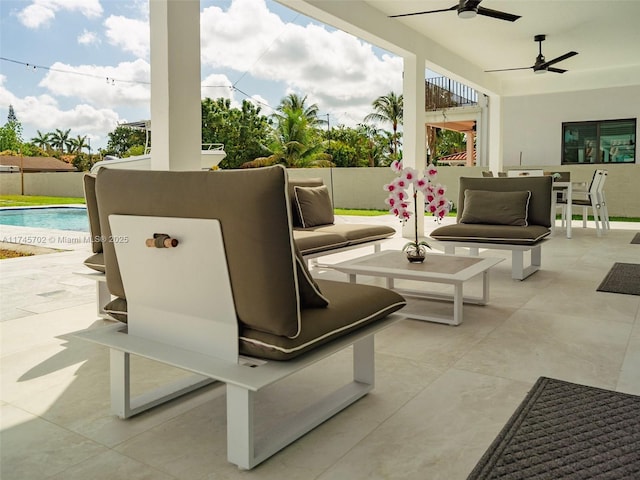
(542, 65)
(468, 9)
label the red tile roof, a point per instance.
(37, 164)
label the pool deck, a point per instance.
(442, 393)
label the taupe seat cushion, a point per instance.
(356, 233)
(350, 307)
(505, 234)
(96, 262)
(311, 242)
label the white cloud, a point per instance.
(217, 86)
(336, 70)
(131, 35)
(43, 113)
(88, 38)
(42, 12)
(102, 86)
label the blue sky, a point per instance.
(96, 54)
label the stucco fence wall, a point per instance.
(362, 187)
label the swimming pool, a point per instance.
(54, 218)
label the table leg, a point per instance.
(458, 303)
(569, 209)
(352, 278)
(485, 287)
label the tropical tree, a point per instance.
(388, 109)
(42, 140)
(362, 146)
(11, 133)
(122, 139)
(448, 142)
(77, 144)
(59, 139)
(243, 131)
(295, 102)
(294, 142)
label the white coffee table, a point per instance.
(437, 268)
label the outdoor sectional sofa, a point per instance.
(504, 214)
(209, 275)
(314, 230)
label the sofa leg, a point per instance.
(518, 270)
(124, 406)
(103, 296)
(246, 450)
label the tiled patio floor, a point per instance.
(442, 392)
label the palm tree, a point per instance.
(388, 109)
(294, 102)
(294, 143)
(59, 139)
(76, 145)
(42, 140)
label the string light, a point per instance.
(112, 81)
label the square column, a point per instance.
(414, 144)
(175, 84)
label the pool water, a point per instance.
(54, 218)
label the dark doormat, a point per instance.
(622, 278)
(636, 238)
(567, 431)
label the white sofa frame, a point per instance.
(205, 342)
(519, 271)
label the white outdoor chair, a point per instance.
(592, 198)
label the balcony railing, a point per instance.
(442, 92)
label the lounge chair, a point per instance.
(504, 214)
(229, 298)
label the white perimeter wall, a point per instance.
(362, 187)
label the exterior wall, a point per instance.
(58, 184)
(362, 187)
(532, 125)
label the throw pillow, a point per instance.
(496, 208)
(314, 206)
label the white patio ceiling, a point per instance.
(605, 33)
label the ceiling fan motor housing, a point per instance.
(468, 8)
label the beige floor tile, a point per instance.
(33, 448)
(112, 466)
(440, 434)
(629, 380)
(572, 348)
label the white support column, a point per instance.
(494, 132)
(175, 84)
(413, 129)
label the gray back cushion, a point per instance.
(540, 188)
(251, 206)
(300, 182)
(92, 212)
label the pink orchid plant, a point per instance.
(399, 200)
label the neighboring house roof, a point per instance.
(37, 164)
(459, 158)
